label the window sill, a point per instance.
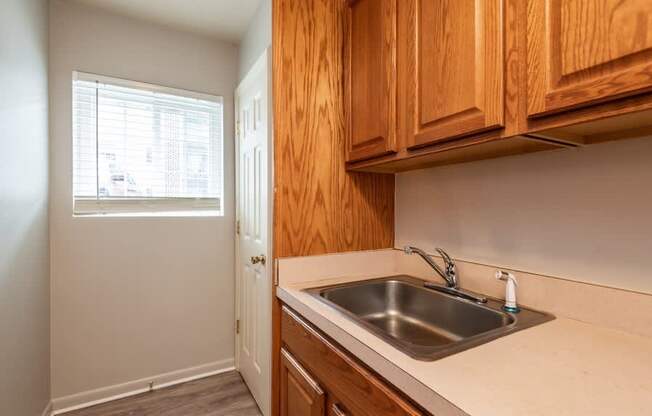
(163, 214)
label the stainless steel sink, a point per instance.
(421, 322)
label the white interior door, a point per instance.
(254, 278)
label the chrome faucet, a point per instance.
(449, 274)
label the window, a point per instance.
(143, 149)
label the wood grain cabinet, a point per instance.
(370, 67)
(439, 63)
(450, 68)
(431, 82)
(584, 52)
(319, 378)
(300, 393)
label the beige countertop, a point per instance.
(562, 367)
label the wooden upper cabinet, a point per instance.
(370, 68)
(583, 52)
(450, 68)
(300, 394)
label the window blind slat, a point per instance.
(144, 150)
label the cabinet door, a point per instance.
(352, 388)
(370, 61)
(583, 52)
(300, 394)
(451, 68)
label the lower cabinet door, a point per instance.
(300, 393)
(351, 389)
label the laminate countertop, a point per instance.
(562, 367)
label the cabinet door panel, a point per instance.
(583, 52)
(454, 64)
(352, 387)
(300, 394)
(371, 78)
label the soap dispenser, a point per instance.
(510, 291)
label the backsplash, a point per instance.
(618, 309)
(581, 214)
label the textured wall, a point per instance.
(582, 214)
(24, 252)
(136, 297)
(257, 38)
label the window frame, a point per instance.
(148, 206)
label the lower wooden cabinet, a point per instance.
(319, 378)
(300, 393)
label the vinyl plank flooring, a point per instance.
(221, 395)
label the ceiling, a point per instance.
(222, 19)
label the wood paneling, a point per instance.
(355, 387)
(276, 350)
(452, 68)
(318, 206)
(582, 52)
(300, 394)
(370, 74)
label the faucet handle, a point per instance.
(451, 268)
(445, 255)
(450, 263)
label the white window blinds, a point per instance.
(140, 148)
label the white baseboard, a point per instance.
(119, 391)
(48, 410)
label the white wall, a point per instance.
(582, 214)
(24, 254)
(136, 297)
(257, 38)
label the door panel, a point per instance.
(254, 280)
(371, 78)
(454, 64)
(300, 393)
(446, 59)
(583, 52)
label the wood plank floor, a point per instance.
(221, 395)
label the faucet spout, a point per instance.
(449, 274)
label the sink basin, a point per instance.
(421, 322)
